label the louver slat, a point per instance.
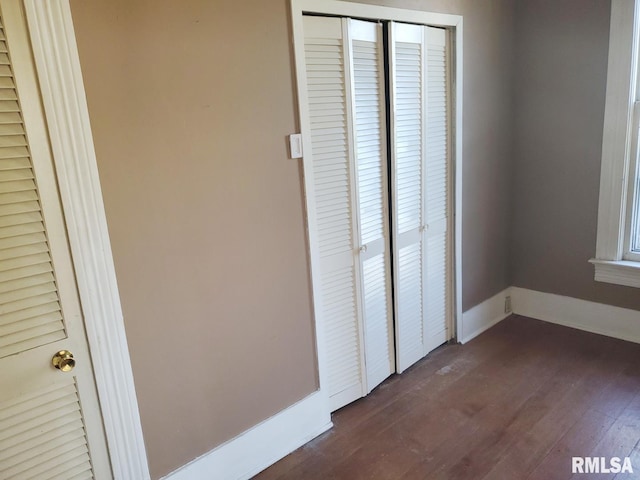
(371, 165)
(332, 193)
(37, 441)
(26, 278)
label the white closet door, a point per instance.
(408, 105)
(420, 183)
(346, 101)
(333, 196)
(438, 291)
(50, 420)
(370, 136)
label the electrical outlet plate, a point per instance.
(507, 304)
(295, 145)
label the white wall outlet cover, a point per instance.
(295, 145)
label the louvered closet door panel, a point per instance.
(371, 168)
(438, 190)
(329, 111)
(50, 421)
(421, 182)
(37, 441)
(30, 313)
(408, 138)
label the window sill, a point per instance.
(620, 272)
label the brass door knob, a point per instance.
(63, 361)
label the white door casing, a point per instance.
(55, 54)
(454, 25)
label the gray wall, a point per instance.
(560, 82)
(487, 139)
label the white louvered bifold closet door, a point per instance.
(43, 432)
(333, 204)
(30, 314)
(420, 185)
(348, 201)
(370, 139)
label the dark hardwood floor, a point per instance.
(515, 403)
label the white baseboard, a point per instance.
(276, 437)
(571, 312)
(262, 445)
(483, 316)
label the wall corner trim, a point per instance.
(483, 316)
(261, 446)
(593, 317)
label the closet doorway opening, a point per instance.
(379, 93)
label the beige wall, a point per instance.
(190, 102)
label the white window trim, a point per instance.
(610, 263)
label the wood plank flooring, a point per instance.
(515, 403)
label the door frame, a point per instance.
(454, 23)
(60, 79)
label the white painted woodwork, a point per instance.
(261, 445)
(609, 320)
(50, 421)
(631, 245)
(351, 36)
(421, 189)
(345, 88)
(63, 97)
(618, 233)
(484, 316)
(438, 285)
(330, 113)
(56, 58)
(370, 140)
(408, 137)
(346, 97)
(42, 435)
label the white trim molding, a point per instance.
(58, 67)
(484, 316)
(262, 445)
(584, 315)
(622, 272)
(608, 320)
(617, 144)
